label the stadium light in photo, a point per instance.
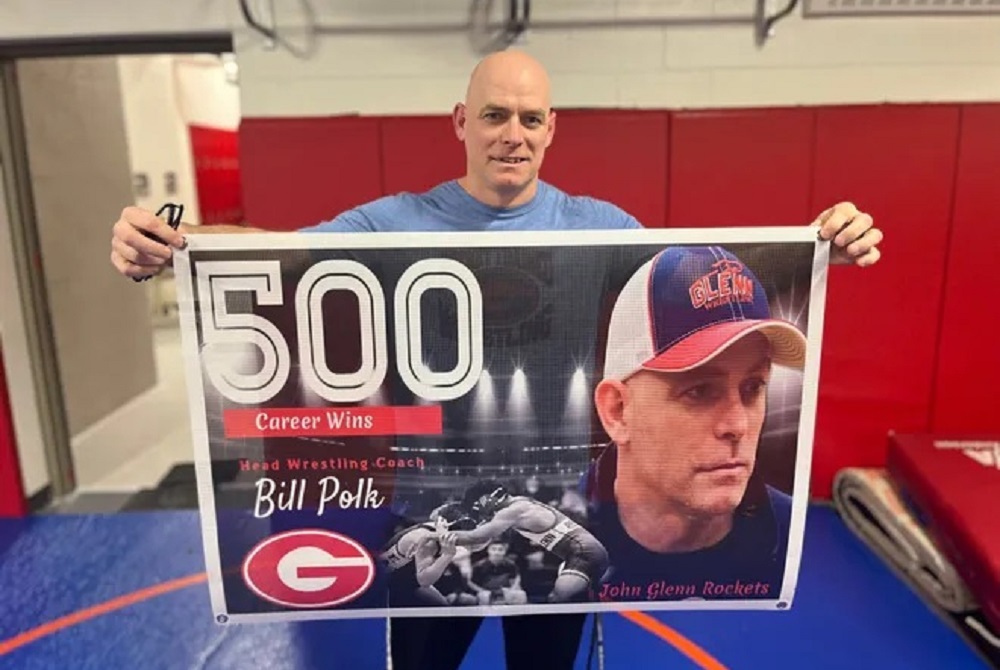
(484, 404)
(519, 400)
(577, 400)
(784, 389)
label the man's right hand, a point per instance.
(448, 546)
(135, 255)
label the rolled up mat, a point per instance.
(873, 509)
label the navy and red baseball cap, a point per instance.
(685, 306)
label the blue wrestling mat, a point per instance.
(127, 590)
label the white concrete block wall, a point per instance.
(161, 96)
(381, 69)
(54, 19)
(204, 96)
(158, 140)
(651, 64)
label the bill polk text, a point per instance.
(289, 495)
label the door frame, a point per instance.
(31, 289)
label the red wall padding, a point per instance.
(741, 168)
(12, 502)
(419, 152)
(620, 156)
(968, 364)
(879, 345)
(298, 172)
(217, 174)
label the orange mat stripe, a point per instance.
(701, 657)
(56, 625)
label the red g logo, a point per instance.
(308, 569)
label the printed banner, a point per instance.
(502, 423)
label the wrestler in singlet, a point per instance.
(550, 529)
(400, 557)
(403, 549)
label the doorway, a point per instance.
(99, 132)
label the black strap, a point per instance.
(173, 213)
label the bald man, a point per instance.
(506, 124)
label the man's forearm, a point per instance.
(464, 538)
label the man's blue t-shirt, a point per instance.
(449, 208)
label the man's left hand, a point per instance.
(854, 237)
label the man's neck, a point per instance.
(505, 199)
(661, 528)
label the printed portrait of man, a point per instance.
(676, 496)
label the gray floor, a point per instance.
(137, 445)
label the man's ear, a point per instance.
(552, 128)
(610, 398)
(458, 120)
